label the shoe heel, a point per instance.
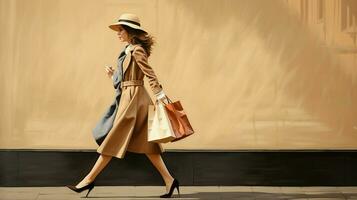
(174, 185)
(89, 191)
(178, 190)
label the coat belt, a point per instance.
(131, 82)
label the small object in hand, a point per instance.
(109, 70)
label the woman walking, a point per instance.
(124, 127)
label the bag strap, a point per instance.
(157, 101)
(169, 100)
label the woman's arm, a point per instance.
(141, 59)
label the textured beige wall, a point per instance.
(249, 74)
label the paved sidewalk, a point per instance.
(187, 192)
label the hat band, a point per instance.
(125, 20)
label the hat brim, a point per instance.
(115, 26)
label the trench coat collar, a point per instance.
(127, 58)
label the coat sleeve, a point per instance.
(141, 59)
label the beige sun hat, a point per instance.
(128, 19)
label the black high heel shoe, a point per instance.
(175, 184)
(90, 186)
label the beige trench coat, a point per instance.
(130, 127)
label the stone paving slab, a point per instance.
(187, 192)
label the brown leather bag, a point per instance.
(178, 119)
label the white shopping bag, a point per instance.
(159, 126)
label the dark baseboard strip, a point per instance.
(308, 167)
(199, 150)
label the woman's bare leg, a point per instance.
(102, 161)
(157, 161)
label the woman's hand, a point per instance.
(161, 96)
(109, 70)
(163, 100)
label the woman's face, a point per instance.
(122, 34)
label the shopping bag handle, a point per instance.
(157, 102)
(169, 100)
